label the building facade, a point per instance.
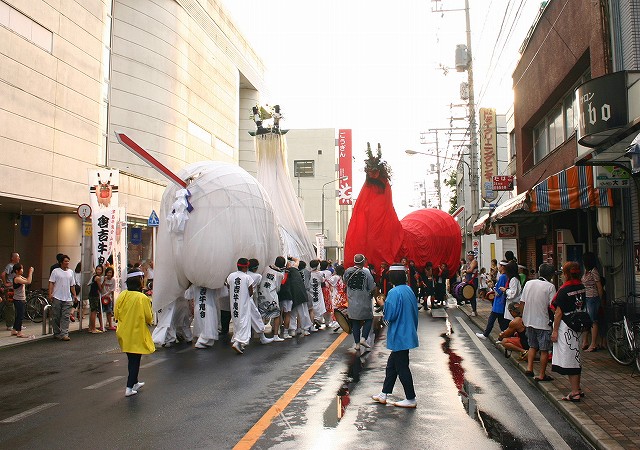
(175, 75)
(312, 160)
(561, 208)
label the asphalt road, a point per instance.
(71, 395)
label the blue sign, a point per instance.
(153, 220)
(25, 225)
(136, 236)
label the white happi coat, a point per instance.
(268, 304)
(317, 297)
(243, 310)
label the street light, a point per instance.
(323, 186)
(414, 152)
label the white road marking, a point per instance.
(153, 363)
(536, 416)
(28, 413)
(105, 382)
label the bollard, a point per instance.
(45, 319)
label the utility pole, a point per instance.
(473, 136)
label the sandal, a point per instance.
(528, 373)
(591, 349)
(546, 378)
(575, 398)
(523, 355)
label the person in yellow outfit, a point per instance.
(133, 314)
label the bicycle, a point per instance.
(36, 301)
(623, 336)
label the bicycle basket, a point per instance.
(617, 309)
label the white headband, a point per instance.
(396, 267)
(135, 274)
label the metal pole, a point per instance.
(322, 226)
(472, 123)
(438, 167)
(83, 267)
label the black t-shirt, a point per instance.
(571, 298)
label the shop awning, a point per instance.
(517, 203)
(570, 188)
(480, 224)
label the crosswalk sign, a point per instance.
(153, 220)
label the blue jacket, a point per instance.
(500, 299)
(401, 312)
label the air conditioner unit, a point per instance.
(564, 237)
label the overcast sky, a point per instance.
(383, 69)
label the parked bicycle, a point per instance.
(36, 301)
(623, 335)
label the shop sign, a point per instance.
(507, 231)
(488, 152)
(503, 183)
(611, 177)
(602, 108)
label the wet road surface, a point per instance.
(62, 395)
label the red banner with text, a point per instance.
(344, 167)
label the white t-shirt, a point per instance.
(63, 280)
(149, 273)
(482, 281)
(537, 296)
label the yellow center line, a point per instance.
(249, 439)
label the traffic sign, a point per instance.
(153, 220)
(84, 211)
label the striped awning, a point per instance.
(571, 188)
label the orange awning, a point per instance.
(570, 188)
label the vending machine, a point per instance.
(567, 249)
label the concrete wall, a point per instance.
(49, 117)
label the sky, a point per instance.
(386, 71)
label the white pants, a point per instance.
(302, 311)
(205, 313)
(248, 318)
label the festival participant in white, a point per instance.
(240, 296)
(62, 293)
(205, 323)
(317, 296)
(268, 304)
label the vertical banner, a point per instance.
(320, 252)
(103, 196)
(120, 258)
(344, 167)
(488, 152)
